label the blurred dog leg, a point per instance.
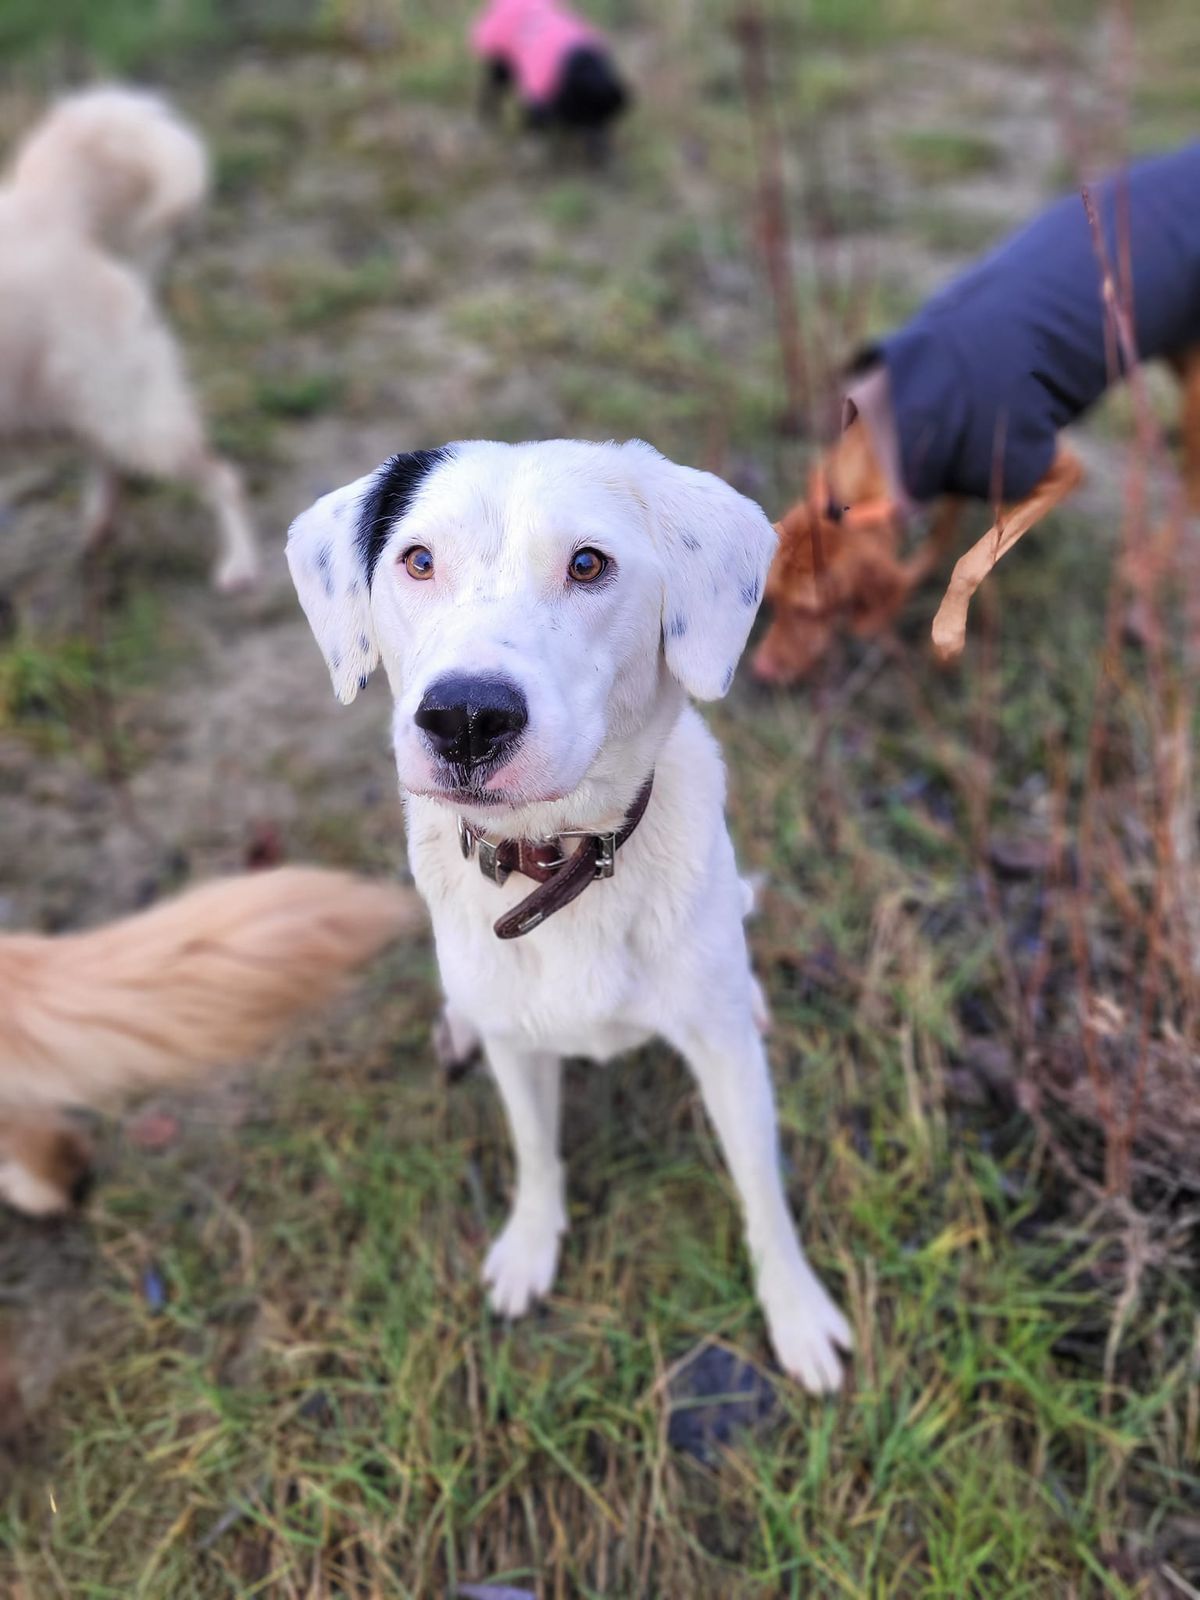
(494, 82)
(930, 552)
(45, 1163)
(101, 493)
(950, 623)
(133, 405)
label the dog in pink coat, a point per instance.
(557, 64)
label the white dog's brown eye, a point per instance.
(586, 566)
(418, 562)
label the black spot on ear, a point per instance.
(752, 592)
(364, 644)
(677, 626)
(389, 497)
(335, 660)
(725, 687)
(689, 542)
(325, 568)
(363, 679)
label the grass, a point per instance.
(300, 394)
(941, 155)
(49, 682)
(953, 232)
(261, 1365)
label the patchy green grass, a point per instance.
(280, 1379)
(300, 394)
(953, 232)
(313, 296)
(121, 35)
(50, 682)
(940, 155)
(44, 684)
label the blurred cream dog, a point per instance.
(542, 612)
(94, 198)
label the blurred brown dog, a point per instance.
(968, 402)
(841, 568)
(209, 978)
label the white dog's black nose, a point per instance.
(471, 720)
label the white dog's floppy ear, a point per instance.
(333, 549)
(716, 547)
(326, 565)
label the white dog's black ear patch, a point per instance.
(716, 547)
(390, 495)
(333, 549)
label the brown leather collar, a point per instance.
(561, 878)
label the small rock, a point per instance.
(154, 1288)
(316, 1407)
(714, 1396)
(964, 1087)
(991, 1061)
(1020, 855)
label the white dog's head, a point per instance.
(531, 604)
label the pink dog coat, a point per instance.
(533, 38)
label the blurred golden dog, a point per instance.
(211, 977)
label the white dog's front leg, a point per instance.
(521, 1264)
(804, 1324)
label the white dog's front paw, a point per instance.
(521, 1264)
(806, 1328)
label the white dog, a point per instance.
(542, 611)
(94, 198)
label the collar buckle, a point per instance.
(606, 849)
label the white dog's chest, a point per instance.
(565, 989)
(658, 946)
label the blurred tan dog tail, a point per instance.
(209, 978)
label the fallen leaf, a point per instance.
(154, 1129)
